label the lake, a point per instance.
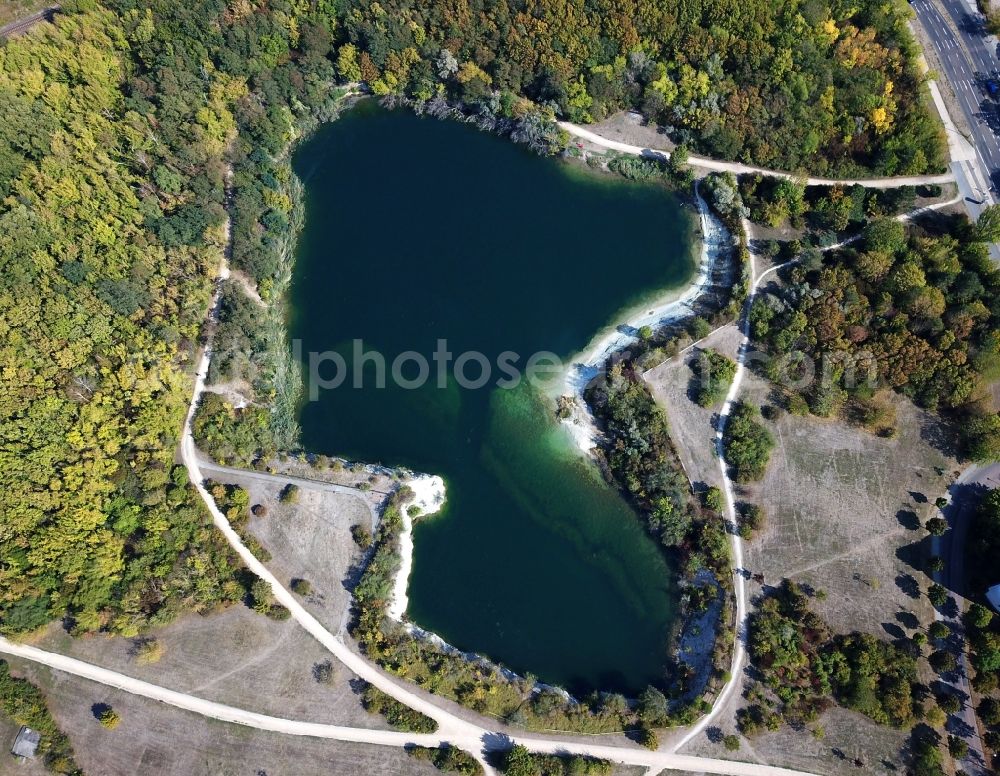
(419, 230)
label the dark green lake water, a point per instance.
(418, 230)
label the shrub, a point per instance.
(396, 714)
(715, 373)
(939, 630)
(731, 742)
(289, 494)
(110, 718)
(750, 518)
(258, 510)
(978, 617)
(699, 328)
(936, 526)
(949, 703)
(301, 586)
(447, 758)
(649, 739)
(713, 499)
(362, 536)
(942, 661)
(747, 443)
(148, 651)
(935, 716)
(324, 673)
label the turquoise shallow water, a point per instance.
(419, 230)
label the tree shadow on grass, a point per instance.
(909, 585)
(908, 519)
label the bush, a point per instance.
(324, 673)
(926, 752)
(362, 536)
(936, 526)
(715, 374)
(278, 612)
(148, 651)
(289, 494)
(978, 617)
(649, 739)
(949, 703)
(301, 587)
(447, 758)
(750, 518)
(935, 716)
(699, 328)
(110, 718)
(747, 443)
(939, 630)
(937, 594)
(957, 747)
(714, 499)
(731, 742)
(398, 715)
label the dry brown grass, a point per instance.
(10, 765)
(154, 739)
(235, 657)
(691, 426)
(13, 10)
(842, 506)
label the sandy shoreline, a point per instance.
(672, 306)
(429, 496)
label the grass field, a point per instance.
(843, 513)
(691, 426)
(12, 10)
(235, 657)
(158, 740)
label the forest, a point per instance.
(824, 85)
(111, 221)
(912, 308)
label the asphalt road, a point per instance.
(968, 58)
(963, 496)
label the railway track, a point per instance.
(23, 25)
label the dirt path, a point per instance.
(465, 735)
(744, 169)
